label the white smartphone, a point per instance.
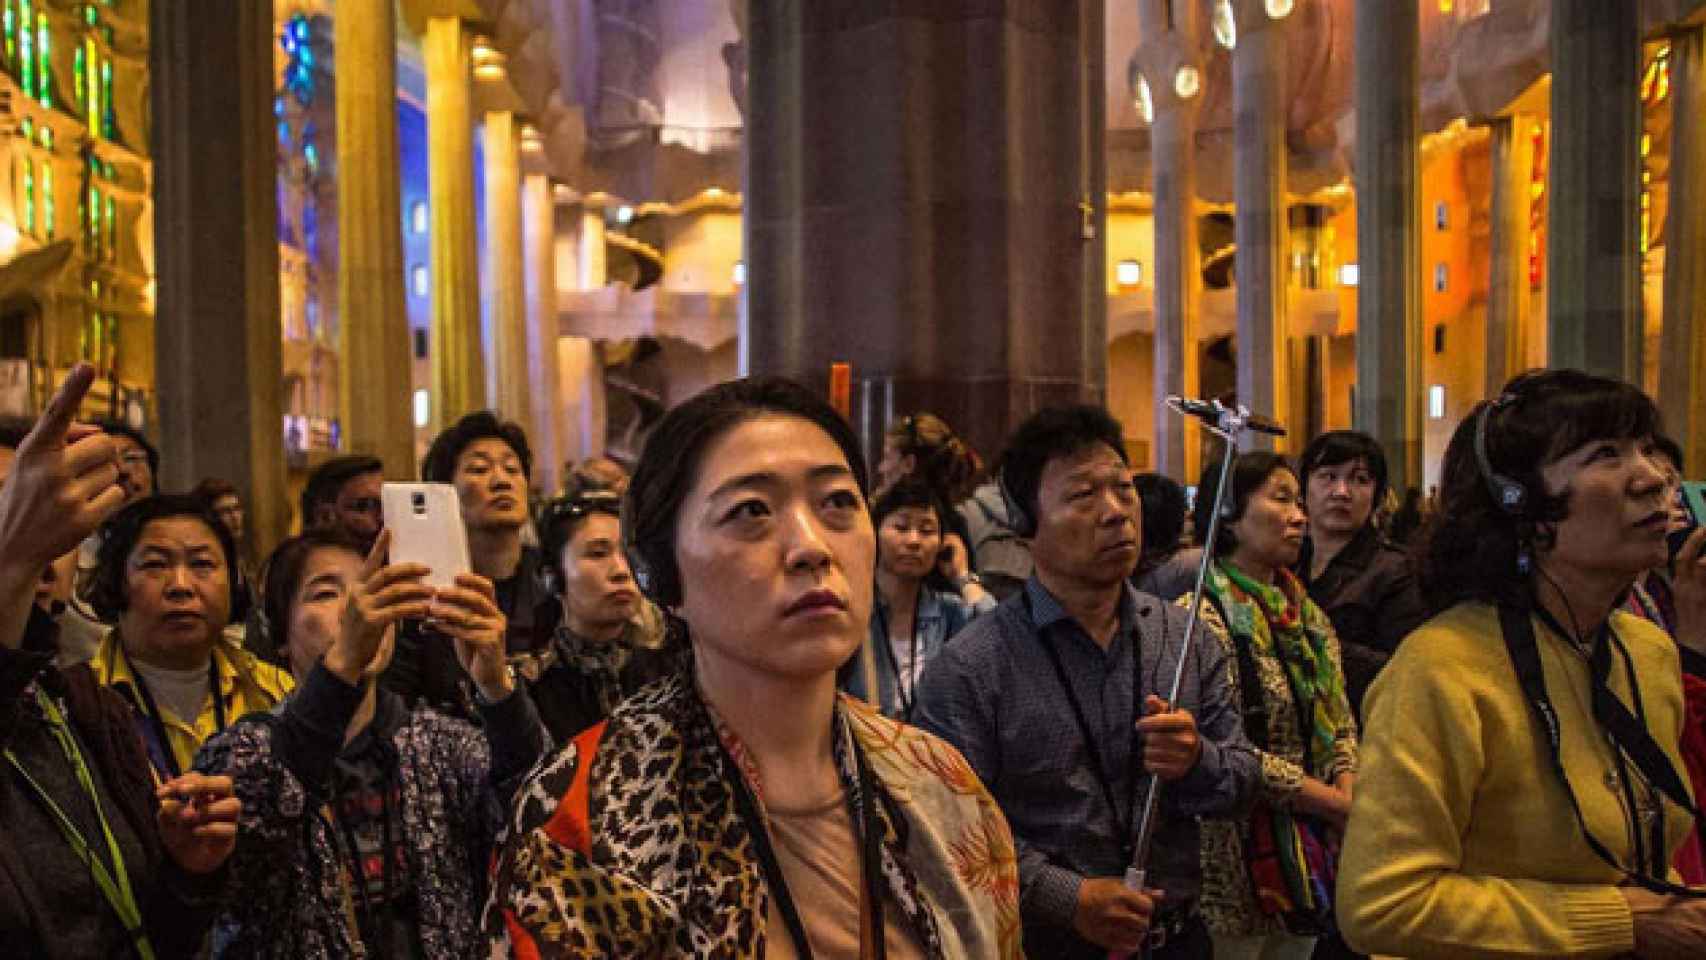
(425, 520)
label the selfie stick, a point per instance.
(1227, 423)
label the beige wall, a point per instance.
(700, 251)
(1131, 396)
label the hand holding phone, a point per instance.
(1692, 498)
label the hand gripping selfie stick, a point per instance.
(1229, 424)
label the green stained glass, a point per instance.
(108, 123)
(47, 197)
(112, 228)
(90, 16)
(9, 22)
(79, 71)
(30, 196)
(44, 63)
(46, 138)
(28, 126)
(27, 56)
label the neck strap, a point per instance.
(1627, 735)
(113, 882)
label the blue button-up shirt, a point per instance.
(937, 619)
(996, 695)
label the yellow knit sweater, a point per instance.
(1461, 841)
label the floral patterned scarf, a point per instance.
(1282, 619)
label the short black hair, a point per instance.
(118, 428)
(105, 591)
(1471, 546)
(13, 430)
(440, 463)
(1164, 505)
(1049, 434)
(675, 450)
(1250, 470)
(563, 516)
(1343, 446)
(908, 492)
(328, 480)
(280, 578)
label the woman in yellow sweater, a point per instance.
(1472, 834)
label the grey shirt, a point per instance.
(995, 693)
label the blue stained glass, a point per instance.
(307, 56)
(283, 134)
(288, 41)
(312, 155)
(278, 106)
(299, 26)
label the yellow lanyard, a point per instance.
(114, 884)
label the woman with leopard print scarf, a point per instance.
(743, 808)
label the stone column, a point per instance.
(374, 354)
(507, 387)
(1508, 294)
(458, 359)
(591, 268)
(217, 348)
(538, 219)
(949, 166)
(1682, 369)
(1389, 295)
(1593, 256)
(1170, 39)
(1259, 107)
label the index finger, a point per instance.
(61, 410)
(1692, 548)
(376, 556)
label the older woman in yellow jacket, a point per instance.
(1493, 816)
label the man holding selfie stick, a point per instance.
(1057, 698)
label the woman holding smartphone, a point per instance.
(744, 808)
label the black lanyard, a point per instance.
(1124, 819)
(900, 682)
(870, 854)
(1626, 732)
(157, 726)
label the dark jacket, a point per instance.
(287, 894)
(424, 669)
(49, 904)
(576, 683)
(1369, 592)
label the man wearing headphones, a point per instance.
(162, 580)
(1056, 699)
(608, 640)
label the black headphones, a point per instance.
(1509, 494)
(565, 510)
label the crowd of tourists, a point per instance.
(747, 697)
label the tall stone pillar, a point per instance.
(458, 360)
(1259, 107)
(1682, 369)
(1389, 296)
(374, 354)
(1170, 38)
(1593, 256)
(507, 386)
(539, 245)
(1508, 294)
(217, 346)
(923, 202)
(592, 267)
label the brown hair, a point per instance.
(943, 460)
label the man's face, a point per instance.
(1087, 519)
(134, 473)
(492, 486)
(1341, 497)
(357, 511)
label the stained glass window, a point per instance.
(26, 51)
(109, 123)
(47, 197)
(79, 74)
(9, 23)
(112, 229)
(44, 63)
(30, 195)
